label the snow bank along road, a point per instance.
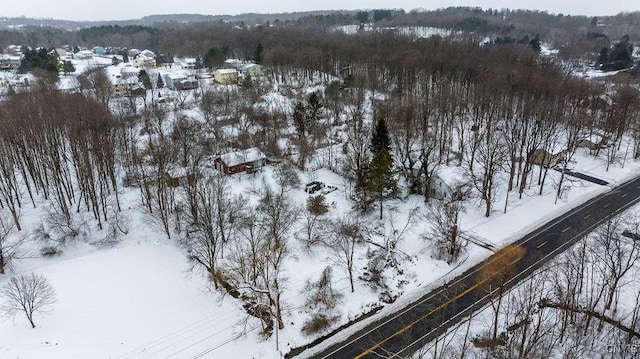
(406, 331)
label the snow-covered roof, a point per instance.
(128, 81)
(6, 57)
(242, 156)
(129, 69)
(85, 54)
(452, 175)
(176, 75)
(226, 71)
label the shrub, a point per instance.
(50, 251)
(317, 205)
(318, 322)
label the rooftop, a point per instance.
(242, 156)
(226, 71)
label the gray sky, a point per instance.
(133, 9)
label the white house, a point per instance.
(233, 64)
(9, 62)
(188, 63)
(84, 55)
(148, 54)
(179, 81)
(450, 183)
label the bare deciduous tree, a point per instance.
(217, 220)
(8, 250)
(99, 84)
(346, 233)
(445, 233)
(617, 255)
(30, 293)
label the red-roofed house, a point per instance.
(247, 160)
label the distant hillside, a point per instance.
(249, 18)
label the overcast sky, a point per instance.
(134, 9)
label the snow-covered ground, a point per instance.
(413, 31)
(139, 299)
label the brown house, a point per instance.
(542, 157)
(248, 160)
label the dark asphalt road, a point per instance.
(419, 323)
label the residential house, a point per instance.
(545, 158)
(188, 63)
(253, 70)
(179, 176)
(13, 50)
(450, 184)
(233, 64)
(127, 70)
(9, 62)
(249, 160)
(148, 53)
(84, 55)
(179, 81)
(142, 59)
(226, 76)
(190, 83)
(133, 53)
(130, 86)
(99, 50)
(171, 78)
(596, 140)
(61, 53)
(124, 81)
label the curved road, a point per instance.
(408, 330)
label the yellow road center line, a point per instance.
(566, 229)
(624, 195)
(587, 216)
(542, 244)
(460, 295)
(607, 205)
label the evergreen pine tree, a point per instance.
(314, 107)
(257, 55)
(67, 67)
(143, 77)
(380, 140)
(536, 44)
(159, 82)
(299, 118)
(379, 180)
